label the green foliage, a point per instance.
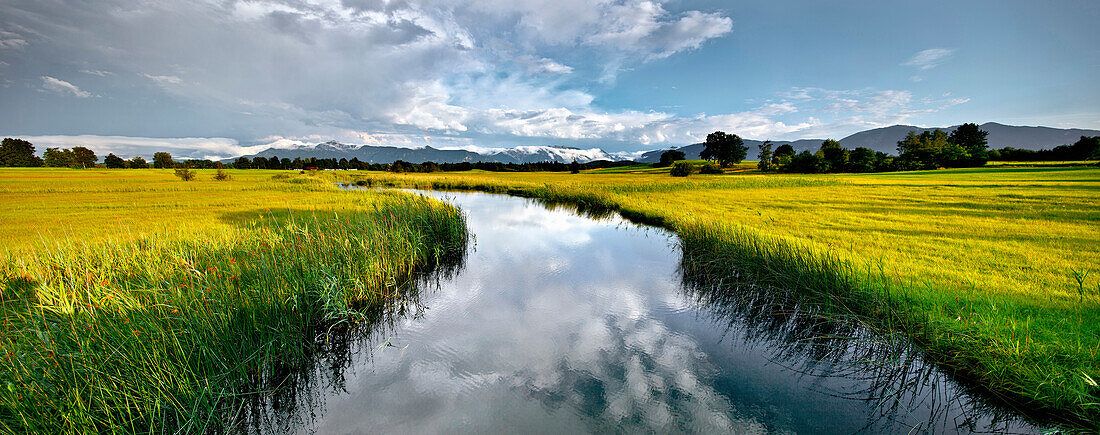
(137, 163)
(1086, 148)
(574, 168)
(18, 152)
(185, 174)
(765, 162)
(163, 160)
(833, 157)
(669, 157)
(974, 142)
(114, 162)
(727, 149)
(57, 158)
(83, 157)
(711, 169)
(682, 169)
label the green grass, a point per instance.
(978, 266)
(178, 324)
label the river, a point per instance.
(557, 321)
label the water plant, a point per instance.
(177, 329)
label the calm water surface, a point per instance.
(557, 322)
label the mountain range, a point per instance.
(879, 139)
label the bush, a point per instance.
(711, 168)
(185, 174)
(221, 175)
(669, 157)
(682, 169)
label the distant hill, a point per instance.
(883, 139)
(886, 139)
(388, 154)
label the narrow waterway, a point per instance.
(559, 322)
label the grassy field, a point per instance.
(136, 302)
(994, 271)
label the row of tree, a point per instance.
(1086, 148)
(966, 146)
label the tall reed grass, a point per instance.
(173, 332)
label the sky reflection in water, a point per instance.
(563, 323)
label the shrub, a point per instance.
(711, 168)
(185, 174)
(682, 169)
(221, 175)
(669, 157)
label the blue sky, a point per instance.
(214, 78)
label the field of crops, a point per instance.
(136, 302)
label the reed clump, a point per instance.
(173, 331)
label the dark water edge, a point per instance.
(566, 320)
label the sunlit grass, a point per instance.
(995, 271)
(172, 325)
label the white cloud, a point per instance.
(930, 58)
(63, 87)
(11, 40)
(96, 72)
(163, 80)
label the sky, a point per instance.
(220, 78)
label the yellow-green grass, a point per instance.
(167, 305)
(978, 266)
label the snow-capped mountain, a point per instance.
(387, 154)
(879, 139)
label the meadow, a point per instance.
(993, 271)
(136, 302)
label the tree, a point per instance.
(727, 149)
(1086, 148)
(242, 163)
(682, 169)
(18, 152)
(782, 155)
(137, 163)
(862, 159)
(973, 141)
(114, 162)
(669, 157)
(57, 158)
(921, 151)
(574, 168)
(163, 160)
(805, 163)
(83, 158)
(221, 175)
(765, 163)
(185, 174)
(833, 156)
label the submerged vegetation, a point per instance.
(979, 266)
(176, 327)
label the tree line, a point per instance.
(966, 146)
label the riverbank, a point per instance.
(135, 302)
(977, 266)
